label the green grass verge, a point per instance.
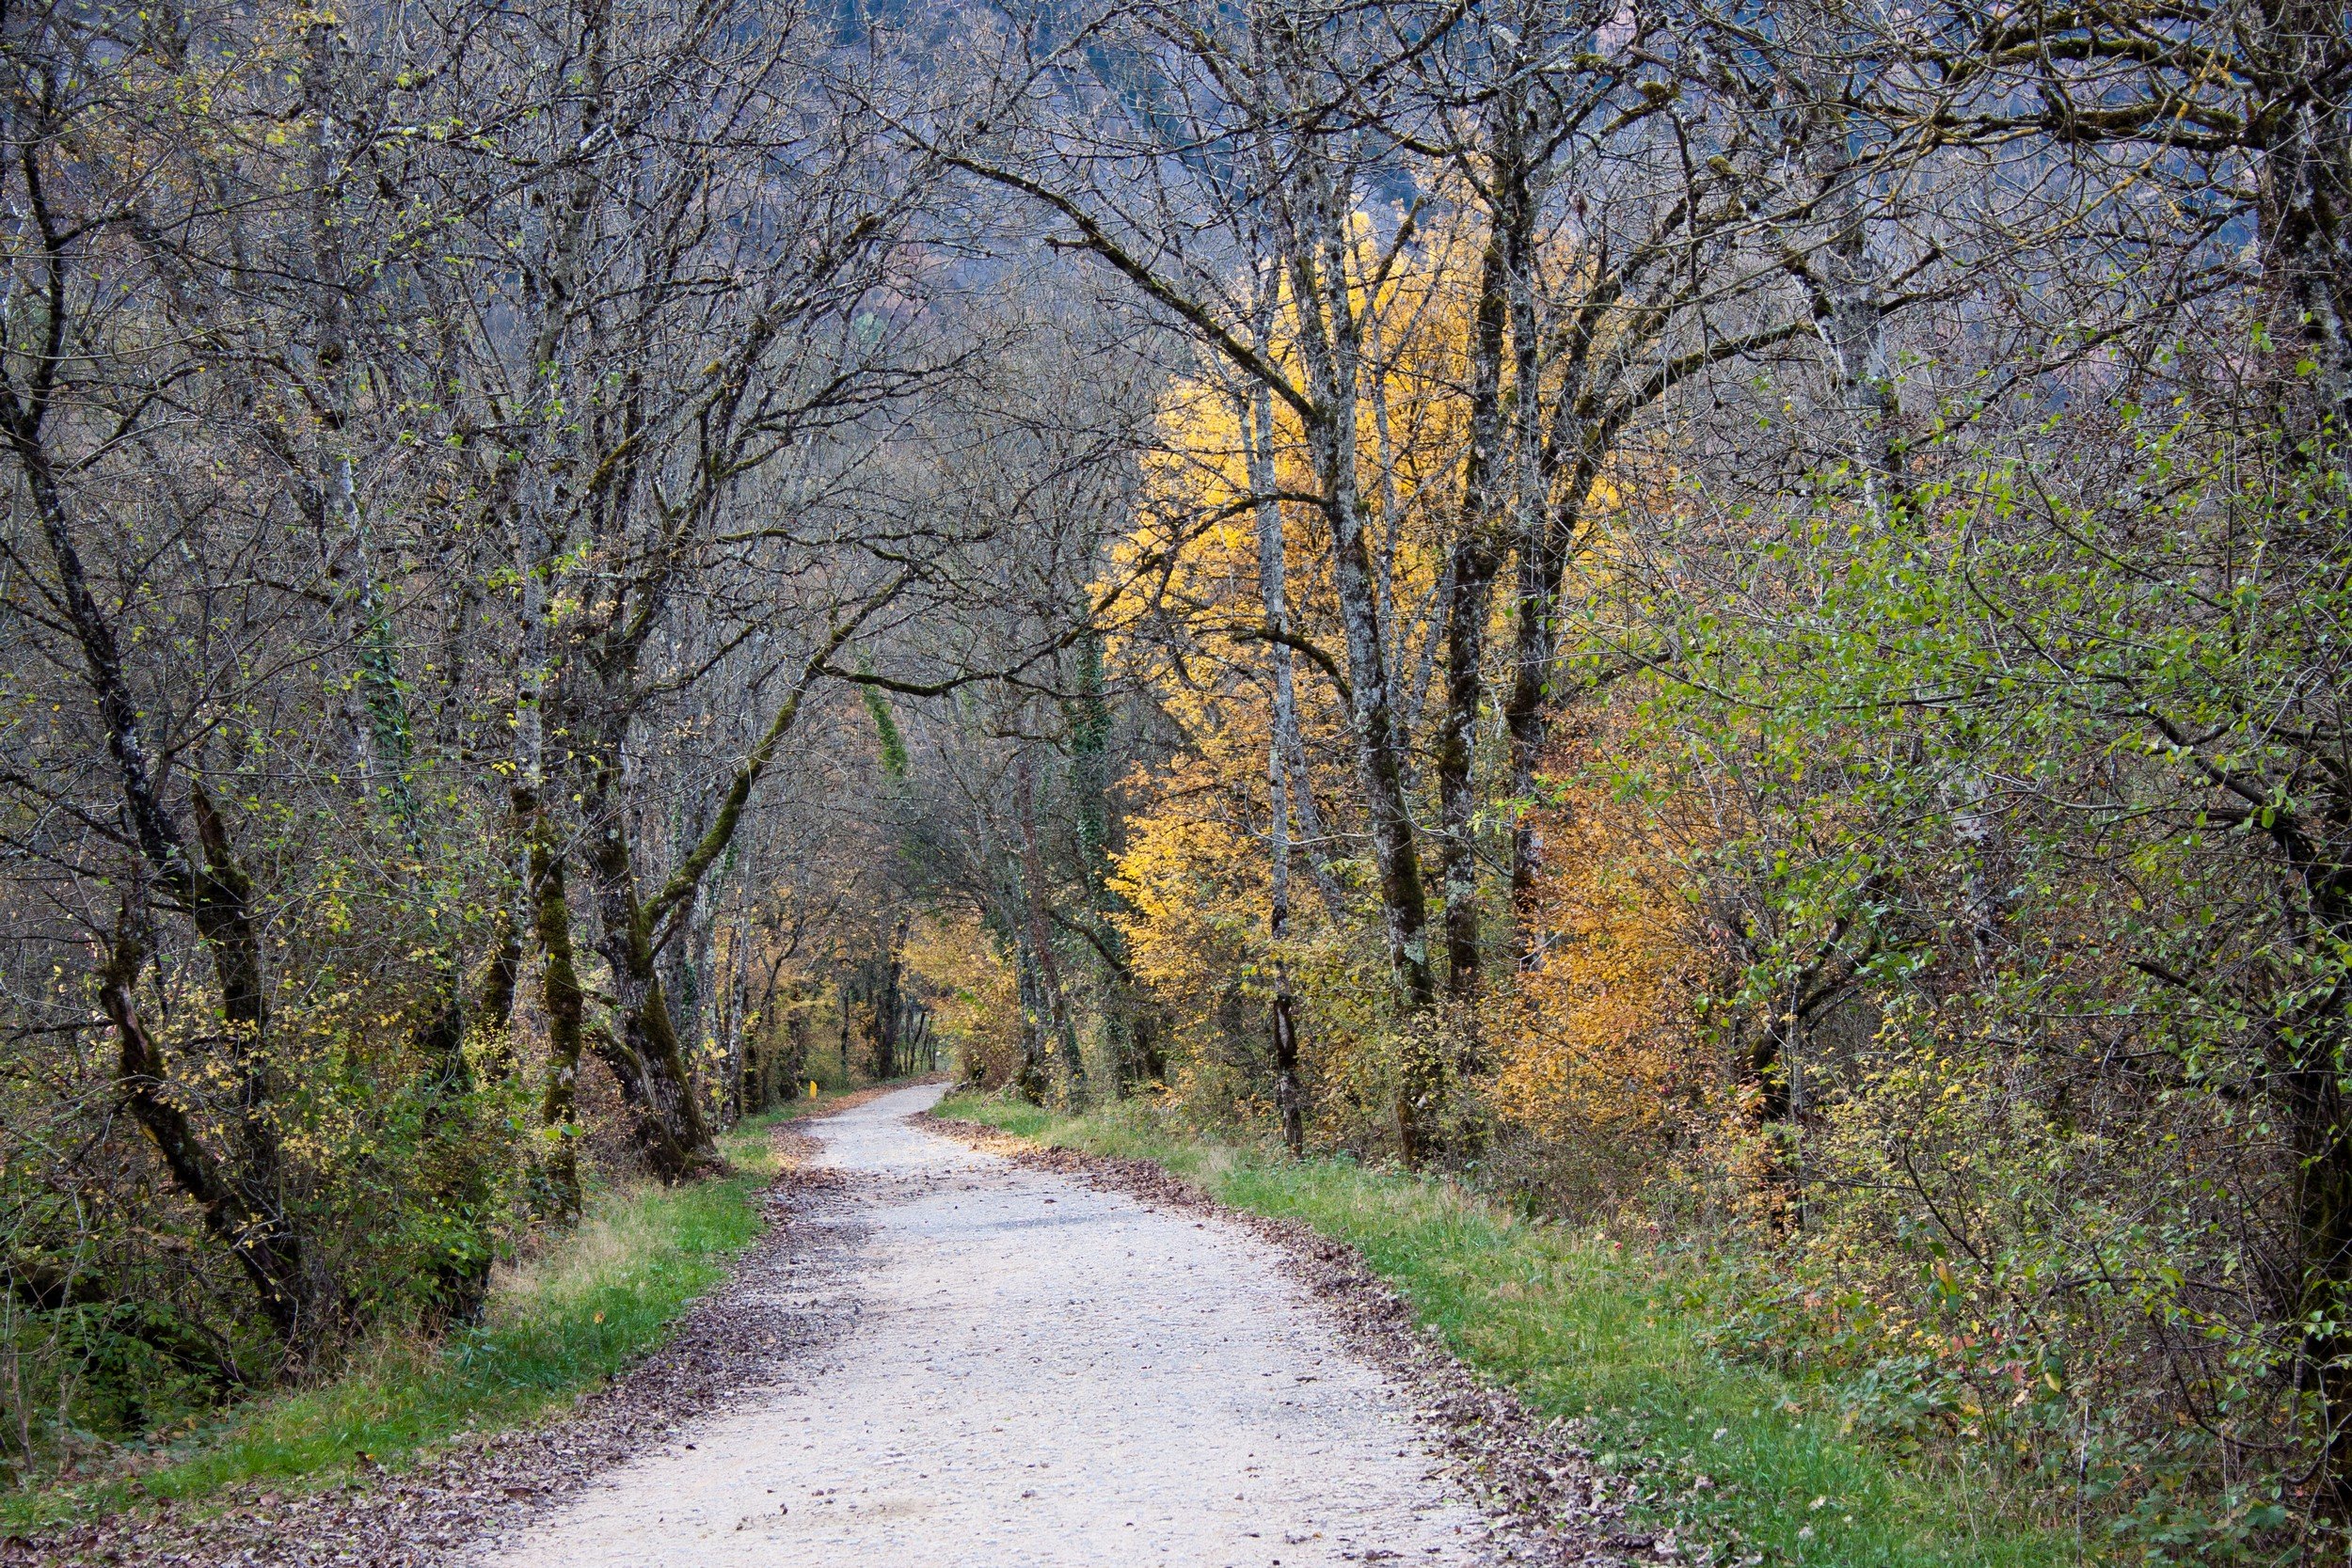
(590, 1306)
(1583, 1329)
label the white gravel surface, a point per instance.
(1040, 1373)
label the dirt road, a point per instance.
(1039, 1372)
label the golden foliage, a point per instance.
(974, 990)
(1599, 1059)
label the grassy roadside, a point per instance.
(1739, 1457)
(585, 1309)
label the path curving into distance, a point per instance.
(1036, 1372)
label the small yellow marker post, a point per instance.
(812, 1088)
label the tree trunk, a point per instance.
(1289, 1099)
(1380, 743)
(2311, 1057)
(565, 1003)
(144, 1080)
(1058, 1018)
(667, 1127)
(1470, 578)
(1029, 1078)
(888, 1003)
(493, 1021)
(1330, 347)
(1274, 597)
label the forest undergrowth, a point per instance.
(1743, 1461)
(561, 1319)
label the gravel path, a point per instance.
(1041, 1372)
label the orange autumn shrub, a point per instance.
(1602, 1068)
